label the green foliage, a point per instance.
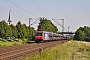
(5, 30)
(20, 31)
(25, 30)
(86, 30)
(47, 25)
(88, 48)
(79, 35)
(13, 30)
(83, 33)
(13, 43)
(72, 50)
(31, 32)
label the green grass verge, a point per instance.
(72, 50)
(12, 42)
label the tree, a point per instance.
(20, 30)
(79, 35)
(31, 32)
(14, 30)
(26, 30)
(86, 30)
(83, 33)
(5, 30)
(47, 25)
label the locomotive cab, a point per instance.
(38, 36)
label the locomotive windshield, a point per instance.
(38, 33)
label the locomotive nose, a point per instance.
(38, 37)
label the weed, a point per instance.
(0, 45)
(4, 45)
(15, 44)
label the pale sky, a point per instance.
(76, 13)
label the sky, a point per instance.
(76, 13)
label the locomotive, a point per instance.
(41, 36)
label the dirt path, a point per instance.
(86, 43)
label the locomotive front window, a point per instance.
(38, 33)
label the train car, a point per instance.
(41, 36)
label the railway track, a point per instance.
(16, 52)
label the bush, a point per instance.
(87, 39)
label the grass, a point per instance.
(12, 42)
(72, 50)
(8, 43)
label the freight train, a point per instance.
(41, 36)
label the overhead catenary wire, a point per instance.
(4, 10)
(38, 7)
(33, 9)
(12, 14)
(26, 4)
(34, 21)
(58, 23)
(21, 8)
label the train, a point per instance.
(42, 36)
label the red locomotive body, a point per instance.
(39, 36)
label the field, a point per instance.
(72, 50)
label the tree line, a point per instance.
(82, 34)
(19, 31)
